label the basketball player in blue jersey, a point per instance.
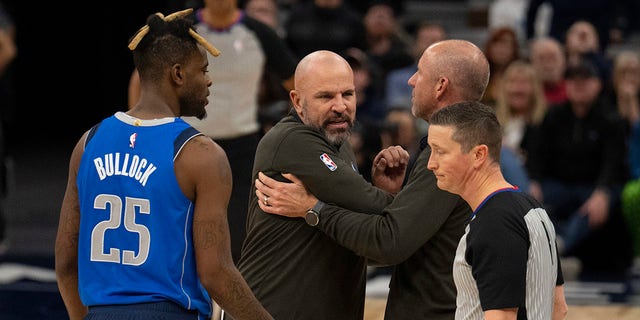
(507, 264)
(143, 230)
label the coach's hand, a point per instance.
(389, 168)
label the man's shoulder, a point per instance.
(292, 138)
(288, 126)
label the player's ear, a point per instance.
(177, 74)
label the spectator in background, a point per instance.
(324, 25)
(581, 39)
(501, 48)
(577, 167)
(626, 81)
(625, 92)
(266, 11)
(520, 107)
(397, 92)
(273, 97)
(626, 95)
(370, 104)
(566, 12)
(8, 52)
(548, 58)
(582, 43)
(387, 41)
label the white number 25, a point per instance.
(115, 220)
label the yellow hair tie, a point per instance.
(179, 14)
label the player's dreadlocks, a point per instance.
(165, 41)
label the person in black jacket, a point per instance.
(577, 169)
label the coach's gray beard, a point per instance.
(337, 138)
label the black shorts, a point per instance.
(164, 310)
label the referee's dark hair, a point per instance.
(474, 124)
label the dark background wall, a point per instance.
(73, 65)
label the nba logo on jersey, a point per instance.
(328, 162)
(132, 140)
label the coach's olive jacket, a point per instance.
(295, 270)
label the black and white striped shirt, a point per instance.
(507, 258)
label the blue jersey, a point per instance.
(135, 242)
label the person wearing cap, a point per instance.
(576, 165)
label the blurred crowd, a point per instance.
(569, 106)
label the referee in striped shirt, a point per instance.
(507, 264)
